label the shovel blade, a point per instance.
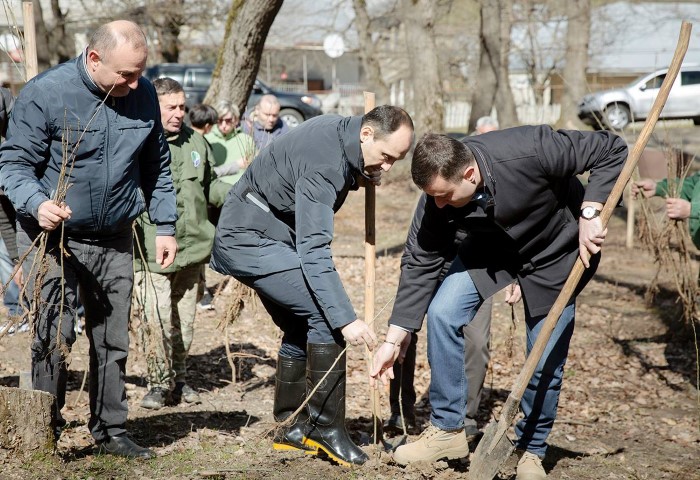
(490, 454)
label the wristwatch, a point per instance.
(589, 213)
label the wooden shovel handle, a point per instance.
(625, 175)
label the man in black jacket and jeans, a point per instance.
(512, 191)
(275, 234)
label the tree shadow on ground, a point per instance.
(211, 370)
(165, 429)
(75, 379)
(10, 381)
(680, 351)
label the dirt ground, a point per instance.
(629, 408)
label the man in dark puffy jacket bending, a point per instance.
(99, 116)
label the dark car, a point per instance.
(196, 78)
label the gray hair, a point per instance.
(224, 107)
(269, 99)
(167, 86)
(487, 121)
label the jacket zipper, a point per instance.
(493, 185)
(102, 216)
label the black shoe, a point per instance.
(58, 428)
(155, 399)
(185, 393)
(472, 432)
(394, 423)
(123, 446)
(206, 303)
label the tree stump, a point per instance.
(26, 421)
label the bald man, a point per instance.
(265, 124)
(118, 165)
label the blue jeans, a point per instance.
(11, 299)
(454, 306)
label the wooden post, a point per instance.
(631, 204)
(370, 260)
(31, 70)
(30, 61)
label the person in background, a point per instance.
(168, 296)
(687, 206)
(120, 167)
(202, 118)
(485, 125)
(8, 233)
(265, 124)
(233, 151)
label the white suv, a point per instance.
(616, 108)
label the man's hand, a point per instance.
(677, 208)
(647, 187)
(383, 364)
(51, 215)
(357, 332)
(166, 248)
(591, 234)
(395, 346)
(18, 276)
(513, 293)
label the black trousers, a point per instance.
(104, 271)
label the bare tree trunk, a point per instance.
(63, 43)
(484, 95)
(43, 52)
(169, 23)
(368, 53)
(505, 103)
(27, 418)
(577, 38)
(493, 77)
(247, 27)
(427, 106)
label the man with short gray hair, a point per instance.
(266, 124)
(486, 125)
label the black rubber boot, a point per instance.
(326, 425)
(290, 392)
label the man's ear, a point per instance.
(366, 133)
(470, 174)
(93, 57)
